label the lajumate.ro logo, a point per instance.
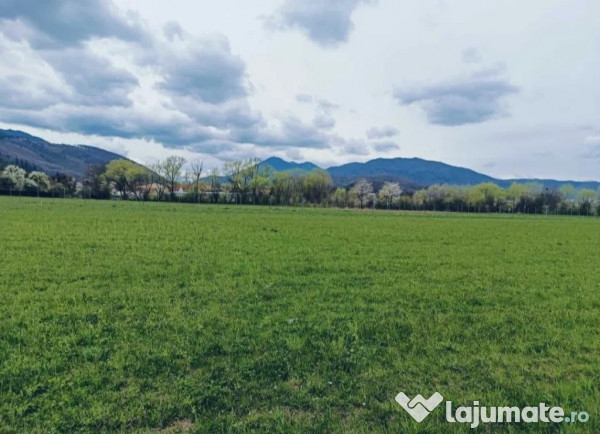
(419, 408)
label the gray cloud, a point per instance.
(382, 132)
(323, 119)
(324, 122)
(290, 132)
(56, 32)
(233, 117)
(173, 29)
(385, 146)
(59, 23)
(84, 93)
(304, 99)
(203, 88)
(294, 154)
(328, 23)
(214, 147)
(206, 71)
(93, 79)
(172, 130)
(326, 106)
(22, 92)
(473, 99)
(322, 105)
(72, 75)
(354, 147)
(471, 55)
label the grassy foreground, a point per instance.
(118, 316)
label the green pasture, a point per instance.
(119, 316)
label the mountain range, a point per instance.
(413, 173)
(280, 165)
(34, 153)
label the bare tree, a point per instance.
(240, 173)
(172, 170)
(159, 178)
(196, 168)
(362, 188)
(95, 184)
(234, 172)
(215, 184)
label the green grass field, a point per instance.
(128, 316)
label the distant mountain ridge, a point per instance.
(280, 165)
(38, 154)
(417, 170)
(412, 173)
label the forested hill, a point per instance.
(420, 171)
(33, 153)
(280, 165)
(414, 173)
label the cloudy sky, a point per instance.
(506, 87)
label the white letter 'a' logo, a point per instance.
(419, 408)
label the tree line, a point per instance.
(15, 180)
(249, 182)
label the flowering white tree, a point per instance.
(390, 192)
(362, 189)
(40, 179)
(15, 177)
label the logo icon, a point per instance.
(419, 407)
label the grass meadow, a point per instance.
(122, 316)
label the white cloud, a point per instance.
(186, 77)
